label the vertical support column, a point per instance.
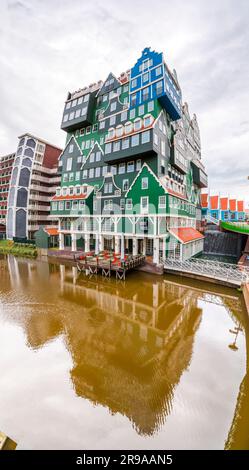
(116, 244)
(122, 246)
(87, 242)
(101, 242)
(134, 246)
(164, 248)
(74, 242)
(156, 250)
(61, 241)
(97, 244)
(144, 246)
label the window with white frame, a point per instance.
(97, 172)
(141, 110)
(98, 156)
(77, 190)
(68, 105)
(116, 146)
(65, 118)
(64, 191)
(75, 205)
(108, 148)
(125, 144)
(70, 150)
(130, 167)
(129, 204)
(79, 159)
(91, 173)
(123, 116)
(83, 111)
(150, 106)
(69, 164)
(163, 148)
(54, 206)
(133, 99)
(86, 98)
(119, 130)
(111, 133)
(145, 93)
(83, 144)
(106, 186)
(102, 125)
(134, 83)
(85, 174)
(155, 136)
(88, 130)
(147, 120)
(135, 140)
(138, 164)
(112, 120)
(125, 185)
(82, 205)
(61, 206)
(145, 183)
(95, 128)
(144, 204)
(58, 191)
(114, 169)
(92, 157)
(122, 203)
(71, 116)
(158, 71)
(80, 100)
(74, 102)
(132, 113)
(77, 113)
(137, 124)
(88, 144)
(159, 87)
(128, 127)
(71, 190)
(145, 137)
(121, 168)
(65, 177)
(162, 202)
(113, 106)
(104, 170)
(77, 176)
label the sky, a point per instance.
(50, 47)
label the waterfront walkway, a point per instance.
(214, 271)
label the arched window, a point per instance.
(17, 161)
(12, 196)
(137, 124)
(147, 120)
(21, 217)
(119, 130)
(14, 176)
(22, 196)
(128, 127)
(111, 133)
(31, 143)
(29, 153)
(24, 177)
(27, 162)
(19, 151)
(22, 141)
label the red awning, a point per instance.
(186, 234)
(51, 231)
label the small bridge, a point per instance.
(225, 273)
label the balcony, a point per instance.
(199, 176)
(33, 207)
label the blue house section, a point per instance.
(150, 80)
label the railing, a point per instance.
(209, 268)
(213, 220)
(236, 227)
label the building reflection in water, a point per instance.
(130, 342)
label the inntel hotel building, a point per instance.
(131, 169)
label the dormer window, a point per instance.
(147, 120)
(119, 130)
(137, 124)
(58, 191)
(128, 127)
(111, 133)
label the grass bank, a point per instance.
(17, 249)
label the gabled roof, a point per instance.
(186, 234)
(109, 175)
(68, 143)
(96, 144)
(116, 84)
(145, 165)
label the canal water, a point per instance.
(149, 363)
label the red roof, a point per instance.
(69, 197)
(232, 204)
(52, 230)
(240, 205)
(224, 203)
(186, 234)
(204, 200)
(214, 200)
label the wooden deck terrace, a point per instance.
(106, 263)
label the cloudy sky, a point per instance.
(49, 47)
